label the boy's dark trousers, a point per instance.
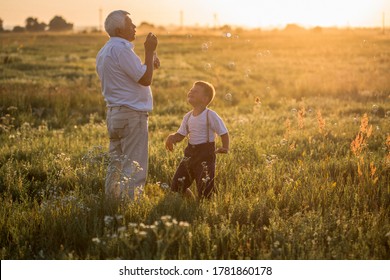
(198, 164)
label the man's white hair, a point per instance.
(116, 19)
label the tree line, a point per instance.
(33, 25)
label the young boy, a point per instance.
(201, 125)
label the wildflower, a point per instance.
(108, 220)
(321, 123)
(206, 179)
(375, 108)
(166, 218)
(205, 47)
(122, 229)
(184, 224)
(283, 142)
(301, 117)
(360, 141)
(186, 159)
(207, 66)
(96, 240)
(228, 97)
(12, 108)
(137, 166)
(372, 169)
(181, 180)
(247, 73)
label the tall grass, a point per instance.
(307, 176)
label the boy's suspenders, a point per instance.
(207, 123)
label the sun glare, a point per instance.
(303, 12)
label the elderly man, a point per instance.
(125, 82)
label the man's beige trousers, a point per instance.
(128, 150)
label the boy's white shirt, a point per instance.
(197, 126)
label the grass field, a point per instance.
(307, 176)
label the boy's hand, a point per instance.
(222, 151)
(169, 143)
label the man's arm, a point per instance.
(150, 46)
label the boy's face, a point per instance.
(197, 97)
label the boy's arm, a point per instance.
(225, 144)
(172, 139)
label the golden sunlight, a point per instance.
(303, 12)
(245, 13)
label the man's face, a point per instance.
(128, 31)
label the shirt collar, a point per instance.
(121, 40)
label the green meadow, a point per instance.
(307, 176)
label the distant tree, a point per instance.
(59, 24)
(292, 27)
(146, 25)
(33, 25)
(1, 25)
(18, 29)
(317, 29)
(226, 27)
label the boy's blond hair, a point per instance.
(208, 90)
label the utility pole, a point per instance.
(100, 19)
(383, 23)
(181, 19)
(215, 20)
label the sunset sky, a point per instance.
(246, 13)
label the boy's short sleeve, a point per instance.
(183, 127)
(217, 124)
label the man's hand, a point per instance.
(150, 43)
(150, 46)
